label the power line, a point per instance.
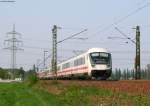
(67, 50)
(61, 42)
(141, 2)
(36, 40)
(77, 42)
(34, 47)
(71, 28)
(125, 35)
(122, 19)
(72, 36)
(132, 13)
(7, 1)
(31, 53)
(70, 50)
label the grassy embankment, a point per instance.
(58, 94)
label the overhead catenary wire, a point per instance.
(71, 36)
(125, 35)
(79, 42)
(121, 19)
(132, 13)
(67, 50)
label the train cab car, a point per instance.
(100, 63)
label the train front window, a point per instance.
(100, 58)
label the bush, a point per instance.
(31, 80)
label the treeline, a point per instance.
(18, 73)
(127, 74)
(7, 73)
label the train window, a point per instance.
(83, 60)
(71, 63)
(66, 65)
(75, 62)
(94, 54)
(100, 58)
(104, 55)
(79, 61)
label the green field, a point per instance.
(57, 94)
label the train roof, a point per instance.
(97, 50)
(88, 51)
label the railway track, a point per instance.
(131, 86)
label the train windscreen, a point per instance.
(100, 58)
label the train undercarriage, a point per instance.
(95, 75)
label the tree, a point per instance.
(4, 73)
(148, 71)
(112, 75)
(124, 74)
(119, 72)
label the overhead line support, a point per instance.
(138, 53)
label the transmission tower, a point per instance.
(13, 44)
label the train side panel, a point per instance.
(95, 63)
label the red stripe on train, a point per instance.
(74, 69)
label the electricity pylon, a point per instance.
(13, 44)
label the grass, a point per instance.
(58, 94)
(16, 94)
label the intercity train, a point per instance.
(96, 63)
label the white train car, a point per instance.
(96, 63)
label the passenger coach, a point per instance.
(96, 63)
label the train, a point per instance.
(95, 63)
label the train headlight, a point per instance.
(108, 65)
(93, 65)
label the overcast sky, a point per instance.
(34, 19)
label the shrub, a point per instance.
(31, 80)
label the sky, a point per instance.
(34, 19)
